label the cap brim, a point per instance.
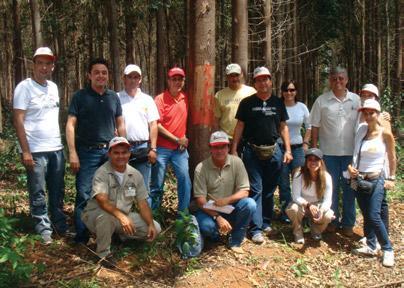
(120, 143)
(260, 75)
(367, 108)
(219, 143)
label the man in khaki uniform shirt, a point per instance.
(116, 187)
(223, 179)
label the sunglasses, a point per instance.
(289, 90)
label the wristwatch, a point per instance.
(153, 149)
(391, 178)
(215, 217)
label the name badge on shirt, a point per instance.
(130, 191)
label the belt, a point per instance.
(293, 146)
(370, 175)
(96, 146)
(137, 143)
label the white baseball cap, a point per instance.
(219, 138)
(371, 88)
(117, 141)
(44, 51)
(261, 71)
(233, 68)
(132, 68)
(370, 104)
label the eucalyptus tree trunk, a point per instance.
(161, 63)
(114, 43)
(268, 32)
(36, 24)
(239, 40)
(18, 62)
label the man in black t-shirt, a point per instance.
(95, 115)
(261, 121)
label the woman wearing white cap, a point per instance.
(372, 142)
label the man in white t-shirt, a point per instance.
(228, 99)
(36, 121)
(140, 115)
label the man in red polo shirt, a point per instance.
(172, 141)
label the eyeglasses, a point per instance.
(290, 90)
(339, 78)
(368, 112)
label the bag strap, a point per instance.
(359, 152)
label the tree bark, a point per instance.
(114, 43)
(36, 24)
(18, 62)
(202, 93)
(268, 32)
(240, 34)
(161, 63)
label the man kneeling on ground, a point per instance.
(223, 179)
(116, 187)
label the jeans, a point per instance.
(90, 161)
(144, 168)
(238, 219)
(48, 173)
(335, 166)
(179, 162)
(263, 176)
(373, 225)
(285, 196)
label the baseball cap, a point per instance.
(44, 51)
(233, 68)
(176, 71)
(261, 71)
(370, 104)
(218, 138)
(314, 151)
(117, 141)
(371, 88)
(132, 68)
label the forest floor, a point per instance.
(276, 263)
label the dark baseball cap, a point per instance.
(314, 151)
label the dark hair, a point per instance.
(320, 184)
(284, 88)
(95, 62)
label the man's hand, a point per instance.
(388, 184)
(222, 202)
(74, 162)
(151, 233)
(287, 157)
(152, 156)
(183, 143)
(126, 224)
(224, 225)
(27, 160)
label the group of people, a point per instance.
(120, 145)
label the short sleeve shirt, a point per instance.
(96, 115)
(138, 112)
(220, 183)
(336, 121)
(298, 115)
(173, 116)
(226, 104)
(123, 196)
(261, 119)
(41, 122)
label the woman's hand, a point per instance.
(353, 171)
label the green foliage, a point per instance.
(185, 228)
(300, 268)
(337, 277)
(13, 268)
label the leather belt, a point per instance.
(293, 146)
(97, 146)
(370, 175)
(137, 143)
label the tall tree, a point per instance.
(37, 39)
(239, 46)
(202, 92)
(268, 32)
(161, 63)
(114, 43)
(18, 62)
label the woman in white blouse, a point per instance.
(311, 195)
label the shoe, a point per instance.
(331, 228)
(284, 219)
(267, 230)
(46, 239)
(347, 231)
(258, 238)
(388, 258)
(365, 251)
(316, 237)
(364, 243)
(108, 262)
(237, 250)
(299, 239)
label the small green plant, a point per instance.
(13, 268)
(337, 278)
(186, 236)
(300, 268)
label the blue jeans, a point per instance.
(48, 173)
(179, 161)
(263, 176)
(90, 161)
(284, 180)
(335, 166)
(144, 168)
(373, 224)
(238, 219)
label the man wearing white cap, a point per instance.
(116, 188)
(223, 179)
(140, 114)
(261, 120)
(36, 120)
(228, 99)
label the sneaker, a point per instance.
(347, 231)
(316, 237)
(365, 251)
(388, 258)
(258, 238)
(267, 230)
(237, 250)
(108, 262)
(363, 242)
(284, 219)
(46, 239)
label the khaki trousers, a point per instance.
(103, 225)
(296, 213)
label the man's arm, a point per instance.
(153, 141)
(222, 223)
(146, 214)
(240, 194)
(107, 206)
(18, 121)
(314, 136)
(183, 141)
(284, 131)
(70, 139)
(120, 126)
(238, 132)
